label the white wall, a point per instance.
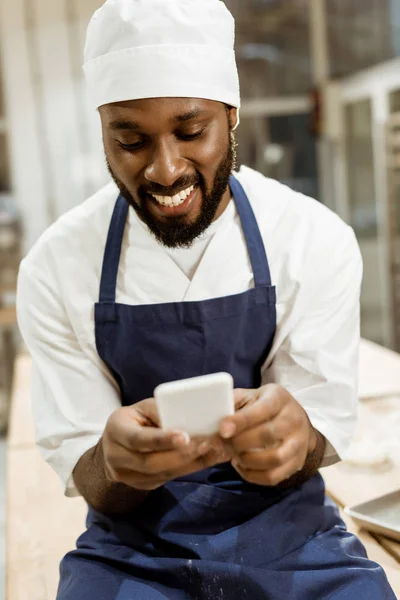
(55, 138)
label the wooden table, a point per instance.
(8, 324)
(349, 486)
(43, 525)
(379, 376)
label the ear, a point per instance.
(233, 114)
(101, 111)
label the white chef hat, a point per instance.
(161, 48)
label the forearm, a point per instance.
(312, 465)
(99, 492)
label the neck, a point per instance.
(226, 198)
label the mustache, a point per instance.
(158, 190)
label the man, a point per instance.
(178, 268)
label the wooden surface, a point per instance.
(377, 553)
(8, 317)
(380, 391)
(21, 432)
(379, 371)
(43, 525)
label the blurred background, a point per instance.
(321, 112)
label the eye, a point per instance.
(131, 147)
(187, 137)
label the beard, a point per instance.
(175, 232)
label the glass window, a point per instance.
(272, 46)
(282, 148)
(362, 33)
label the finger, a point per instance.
(269, 401)
(200, 463)
(148, 410)
(152, 439)
(263, 460)
(242, 397)
(267, 435)
(165, 463)
(203, 462)
(273, 477)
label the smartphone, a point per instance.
(196, 405)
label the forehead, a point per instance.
(161, 111)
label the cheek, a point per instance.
(122, 163)
(214, 149)
(210, 156)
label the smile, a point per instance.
(176, 200)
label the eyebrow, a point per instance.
(192, 114)
(183, 118)
(120, 125)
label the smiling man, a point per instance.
(183, 267)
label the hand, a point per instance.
(270, 435)
(139, 454)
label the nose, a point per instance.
(166, 165)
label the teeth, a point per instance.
(174, 200)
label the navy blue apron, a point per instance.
(211, 535)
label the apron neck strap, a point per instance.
(254, 241)
(255, 244)
(112, 253)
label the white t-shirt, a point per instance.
(315, 265)
(188, 262)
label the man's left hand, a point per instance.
(270, 435)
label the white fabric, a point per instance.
(188, 262)
(315, 265)
(161, 48)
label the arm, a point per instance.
(100, 492)
(135, 456)
(316, 361)
(312, 465)
(271, 438)
(305, 414)
(73, 395)
(111, 455)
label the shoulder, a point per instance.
(278, 206)
(291, 219)
(307, 244)
(77, 238)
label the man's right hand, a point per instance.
(139, 454)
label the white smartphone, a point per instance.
(196, 405)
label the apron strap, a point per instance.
(112, 254)
(254, 241)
